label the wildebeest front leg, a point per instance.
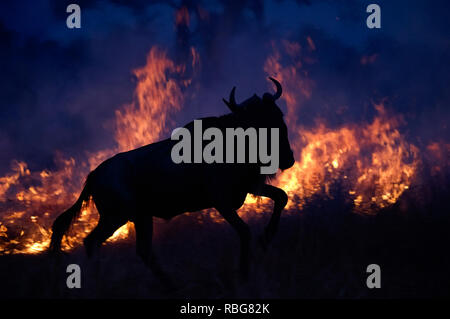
(244, 233)
(144, 233)
(280, 199)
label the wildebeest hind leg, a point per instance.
(105, 228)
(144, 233)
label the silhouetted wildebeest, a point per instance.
(145, 182)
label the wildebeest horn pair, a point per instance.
(234, 106)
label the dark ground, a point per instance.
(320, 252)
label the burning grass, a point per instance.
(321, 251)
(372, 162)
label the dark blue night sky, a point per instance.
(60, 87)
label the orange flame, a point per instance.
(31, 200)
(373, 159)
(157, 98)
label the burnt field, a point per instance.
(321, 251)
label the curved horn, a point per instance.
(232, 98)
(279, 89)
(232, 103)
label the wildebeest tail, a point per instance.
(63, 222)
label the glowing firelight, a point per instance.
(374, 159)
(28, 211)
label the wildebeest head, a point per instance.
(265, 113)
